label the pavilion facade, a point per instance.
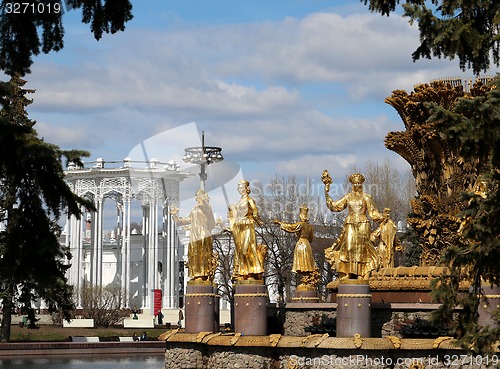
(107, 252)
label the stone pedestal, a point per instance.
(250, 317)
(305, 296)
(200, 310)
(488, 304)
(216, 310)
(353, 308)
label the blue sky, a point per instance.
(284, 86)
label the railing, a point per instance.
(466, 83)
(100, 163)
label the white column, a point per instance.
(71, 244)
(127, 253)
(94, 247)
(123, 252)
(145, 253)
(79, 264)
(73, 238)
(167, 268)
(151, 267)
(171, 268)
(70, 274)
(156, 283)
(99, 242)
(175, 271)
(165, 234)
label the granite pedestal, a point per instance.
(201, 310)
(353, 308)
(250, 301)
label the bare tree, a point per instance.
(273, 202)
(325, 234)
(222, 242)
(280, 248)
(102, 304)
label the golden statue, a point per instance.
(353, 253)
(389, 242)
(248, 256)
(200, 222)
(303, 260)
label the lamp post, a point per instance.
(202, 156)
(201, 305)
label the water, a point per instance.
(85, 362)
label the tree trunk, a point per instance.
(7, 316)
(281, 291)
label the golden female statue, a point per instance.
(200, 220)
(248, 256)
(354, 253)
(303, 260)
(389, 242)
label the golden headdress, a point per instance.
(356, 178)
(304, 211)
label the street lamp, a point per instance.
(202, 156)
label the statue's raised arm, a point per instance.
(327, 180)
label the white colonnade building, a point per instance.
(139, 261)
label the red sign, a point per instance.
(157, 301)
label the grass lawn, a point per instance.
(52, 333)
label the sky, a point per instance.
(285, 87)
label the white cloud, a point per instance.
(67, 136)
(199, 68)
(312, 166)
(323, 47)
(255, 88)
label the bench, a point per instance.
(138, 323)
(84, 339)
(79, 323)
(126, 339)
